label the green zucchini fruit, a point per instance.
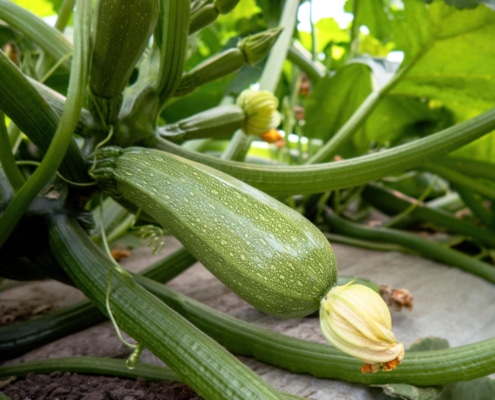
(266, 252)
(121, 34)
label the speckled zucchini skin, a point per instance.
(264, 251)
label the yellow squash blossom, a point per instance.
(356, 320)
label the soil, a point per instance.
(68, 386)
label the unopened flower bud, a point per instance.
(256, 47)
(356, 320)
(261, 112)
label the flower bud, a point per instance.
(356, 320)
(261, 112)
(256, 47)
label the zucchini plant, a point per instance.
(142, 119)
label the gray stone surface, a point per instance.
(447, 303)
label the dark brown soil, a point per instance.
(68, 386)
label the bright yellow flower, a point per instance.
(261, 111)
(356, 320)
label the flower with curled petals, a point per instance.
(356, 320)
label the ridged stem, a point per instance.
(459, 178)
(90, 365)
(305, 179)
(420, 245)
(63, 135)
(203, 364)
(17, 339)
(385, 200)
(321, 360)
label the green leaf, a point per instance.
(244, 11)
(409, 392)
(429, 343)
(373, 14)
(477, 389)
(334, 100)
(452, 55)
(398, 118)
(327, 31)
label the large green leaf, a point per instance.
(333, 101)
(452, 52)
(327, 31)
(451, 55)
(401, 118)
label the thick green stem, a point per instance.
(322, 360)
(459, 178)
(425, 247)
(305, 179)
(63, 135)
(203, 364)
(90, 365)
(474, 168)
(64, 14)
(99, 365)
(29, 111)
(475, 203)
(389, 202)
(300, 57)
(19, 338)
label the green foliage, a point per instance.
(334, 100)
(343, 92)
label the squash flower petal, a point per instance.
(357, 321)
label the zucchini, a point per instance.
(122, 31)
(266, 252)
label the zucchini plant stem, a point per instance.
(386, 201)
(100, 366)
(64, 14)
(475, 204)
(305, 179)
(203, 364)
(460, 178)
(361, 114)
(90, 365)
(63, 135)
(301, 58)
(471, 167)
(422, 246)
(322, 360)
(32, 115)
(16, 339)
